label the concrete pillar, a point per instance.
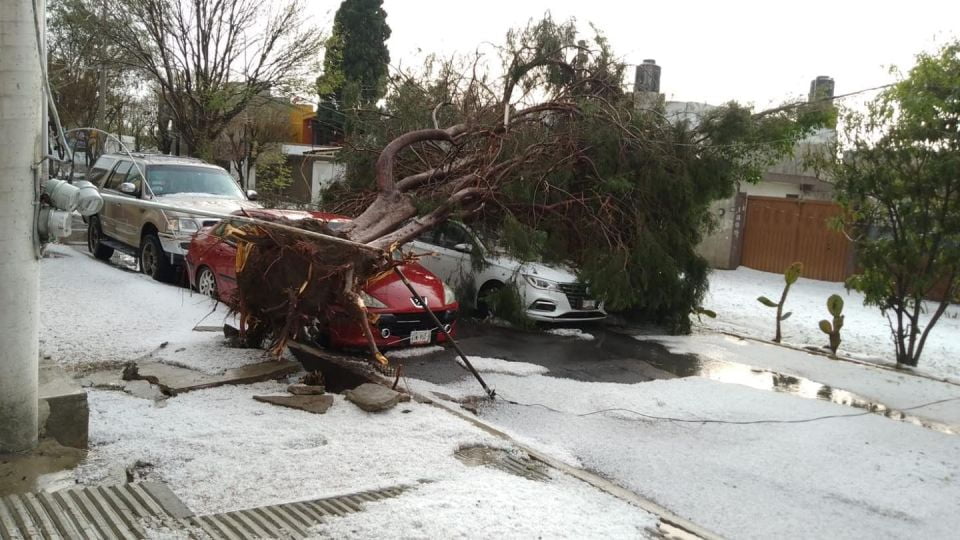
(21, 102)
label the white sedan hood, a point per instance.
(558, 273)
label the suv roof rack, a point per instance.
(157, 157)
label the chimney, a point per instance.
(648, 77)
(821, 88)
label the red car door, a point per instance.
(218, 254)
(223, 255)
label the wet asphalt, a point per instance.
(610, 357)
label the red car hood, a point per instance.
(390, 290)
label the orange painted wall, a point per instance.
(298, 124)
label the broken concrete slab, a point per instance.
(145, 390)
(301, 389)
(313, 403)
(176, 380)
(64, 414)
(104, 379)
(207, 328)
(373, 397)
(340, 367)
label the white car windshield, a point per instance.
(186, 180)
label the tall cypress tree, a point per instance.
(354, 65)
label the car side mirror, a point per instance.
(128, 188)
(252, 194)
(463, 248)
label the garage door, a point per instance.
(779, 232)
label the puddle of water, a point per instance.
(761, 379)
(49, 467)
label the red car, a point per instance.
(402, 321)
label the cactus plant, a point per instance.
(835, 307)
(699, 310)
(790, 276)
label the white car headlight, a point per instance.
(449, 296)
(371, 302)
(540, 283)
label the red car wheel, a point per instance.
(206, 282)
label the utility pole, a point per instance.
(21, 104)
(100, 121)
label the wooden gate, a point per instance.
(779, 232)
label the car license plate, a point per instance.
(420, 337)
(589, 304)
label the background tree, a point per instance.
(898, 179)
(74, 60)
(265, 121)
(83, 64)
(210, 58)
(141, 121)
(355, 65)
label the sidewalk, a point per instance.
(895, 390)
(866, 332)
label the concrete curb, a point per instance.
(893, 369)
(865, 363)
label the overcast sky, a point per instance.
(762, 52)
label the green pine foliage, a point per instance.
(355, 66)
(506, 304)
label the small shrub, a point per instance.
(466, 292)
(505, 303)
(274, 175)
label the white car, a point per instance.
(549, 293)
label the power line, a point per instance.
(824, 100)
(718, 421)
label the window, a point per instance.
(447, 235)
(118, 176)
(98, 173)
(429, 237)
(187, 180)
(219, 229)
(451, 234)
(134, 177)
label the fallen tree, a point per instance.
(554, 153)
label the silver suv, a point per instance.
(159, 238)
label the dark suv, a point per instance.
(159, 238)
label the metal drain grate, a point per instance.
(127, 511)
(501, 459)
(290, 520)
(100, 512)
